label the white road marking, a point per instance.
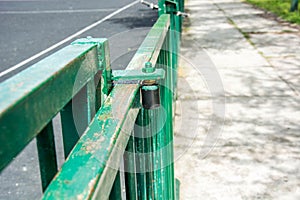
(57, 11)
(67, 39)
(20, 0)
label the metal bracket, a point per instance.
(150, 5)
(183, 14)
(173, 7)
(142, 77)
(137, 75)
(103, 59)
(147, 79)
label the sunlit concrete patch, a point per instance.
(199, 3)
(254, 23)
(212, 14)
(193, 119)
(208, 21)
(232, 2)
(204, 185)
(242, 173)
(242, 81)
(248, 120)
(260, 142)
(258, 24)
(289, 70)
(271, 110)
(192, 79)
(258, 120)
(236, 10)
(236, 7)
(210, 38)
(200, 8)
(253, 82)
(277, 45)
(209, 26)
(285, 63)
(256, 155)
(231, 58)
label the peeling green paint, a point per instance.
(27, 100)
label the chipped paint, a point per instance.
(32, 89)
(105, 116)
(80, 197)
(92, 184)
(92, 145)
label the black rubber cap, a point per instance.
(150, 96)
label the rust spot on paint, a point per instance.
(79, 197)
(16, 86)
(97, 134)
(104, 116)
(92, 145)
(92, 185)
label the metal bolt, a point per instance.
(148, 68)
(149, 4)
(182, 14)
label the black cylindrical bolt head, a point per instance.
(150, 96)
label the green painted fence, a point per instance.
(294, 5)
(112, 141)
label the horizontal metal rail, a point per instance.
(30, 100)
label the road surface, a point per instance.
(29, 27)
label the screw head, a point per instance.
(148, 68)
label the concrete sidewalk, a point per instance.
(240, 59)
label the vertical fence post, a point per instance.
(167, 103)
(130, 170)
(69, 126)
(116, 191)
(130, 161)
(47, 155)
(169, 61)
(159, 183)
(105, 85)
(140, 150)
(89, 99)
(294, 5)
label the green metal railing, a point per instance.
(112, 141)
(33, 97)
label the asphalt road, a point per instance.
(30, 27)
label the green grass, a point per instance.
(278, 7)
